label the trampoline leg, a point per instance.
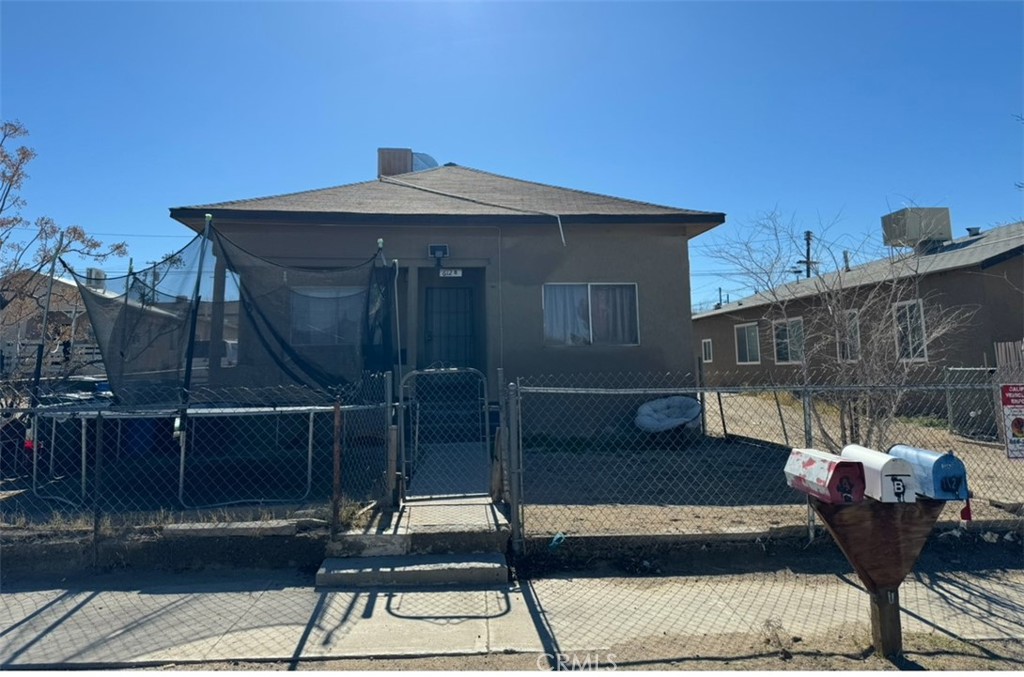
(53, 443)
(182, 443)
(35, 457)
(85, 442)
(309, 459)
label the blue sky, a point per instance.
(824, 110)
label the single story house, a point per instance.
(950, 302)
(491, 271)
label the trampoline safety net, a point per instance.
(256, 333)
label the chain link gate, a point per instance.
(445, 432)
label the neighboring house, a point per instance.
(70, 347)
(767, 338)
(492, 271)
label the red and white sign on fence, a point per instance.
(1013, 418)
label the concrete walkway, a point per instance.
(454, 468)
(133, 619)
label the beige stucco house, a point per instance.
(493, 271)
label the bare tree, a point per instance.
(28, 250)
(863, 331)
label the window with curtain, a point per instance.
(326, 316)
(848, 336)
(747, 349)
(789, 340)
(590, 314)
(910, 334)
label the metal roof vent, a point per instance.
(973, 231)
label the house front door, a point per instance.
(449, 330)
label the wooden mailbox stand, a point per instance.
(882, 541)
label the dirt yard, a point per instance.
(991, 475)
(716, 485)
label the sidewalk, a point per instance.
(136, 619)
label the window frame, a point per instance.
(757, 342)
(590, 313)
(854, 322)
(707, 351)
(788, 321)
(917, 303)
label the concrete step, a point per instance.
(427, 540)
(459, 525)
(484, 569)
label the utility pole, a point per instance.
(806, 261)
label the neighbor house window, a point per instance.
(747, 347)
(910, 332)
(848, 336)
(706, 352)
(326, 316)
(590, 314)
(789, 340)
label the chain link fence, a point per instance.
(92, 463)
(446, 432)
(606, 477)
(599, 456)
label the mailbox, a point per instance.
(825, 476)
(886, 478)
(939, 476)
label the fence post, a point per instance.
(85, 455)
(96, 491)
(808, 444)
(389, 393)
(35, 452)
(721, 411)
(703, 397)
(949, 401)
(389, 424)
(516, 470)
(336, 492)
(504, 490)
(392, 487)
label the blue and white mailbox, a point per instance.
(886, 478)
(942, 477)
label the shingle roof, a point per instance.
(962, 253)
(452, 190)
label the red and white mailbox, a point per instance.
(886, 478)
(825, 476)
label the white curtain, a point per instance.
(566, 314)
(613, 309)
(326, 315)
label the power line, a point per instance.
(133, 235)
